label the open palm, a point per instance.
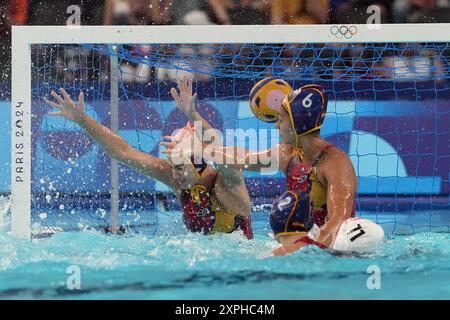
(185, 100)
(67, 107)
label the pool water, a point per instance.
(174, 264)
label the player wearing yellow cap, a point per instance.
(321, 180)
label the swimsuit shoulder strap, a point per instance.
(319, 159)
(322, 155)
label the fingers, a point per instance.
(171, 156)
(184, 84)
(171, 151)
(181, 85)
(170, 138)
(81, 99)
(57, 97)
(52, 104)
(189, 86)
(174, 94)
(64, 94)
(165, 143)
(169, 145)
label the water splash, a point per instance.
(176, 265)
(5, 206)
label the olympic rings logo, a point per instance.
(343, 31)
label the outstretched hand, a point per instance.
(283, 250)
(67, 107)
(175, 150)
(185, 100)
(170, 144)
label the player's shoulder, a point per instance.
(336, 158)
(335, 153)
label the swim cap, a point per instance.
(266, 97)
(292, 213)
(306, 107)
(358, 235)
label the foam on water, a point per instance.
(5, 205)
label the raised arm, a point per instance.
(243, 159)
(185, 101)
(235, 158)
(230, 185)
(114, 145)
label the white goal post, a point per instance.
(25, 36)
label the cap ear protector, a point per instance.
(306, 108)
(292, 213)
(199, 168)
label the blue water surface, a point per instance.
(174, 264)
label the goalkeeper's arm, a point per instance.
(114, 145)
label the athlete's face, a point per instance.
(287, 134)
(184, 175)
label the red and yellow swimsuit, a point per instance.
(303, 177)
(203, 212)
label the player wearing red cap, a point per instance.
(213, 200)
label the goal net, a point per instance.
(388, 109)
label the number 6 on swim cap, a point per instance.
(306, 108)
